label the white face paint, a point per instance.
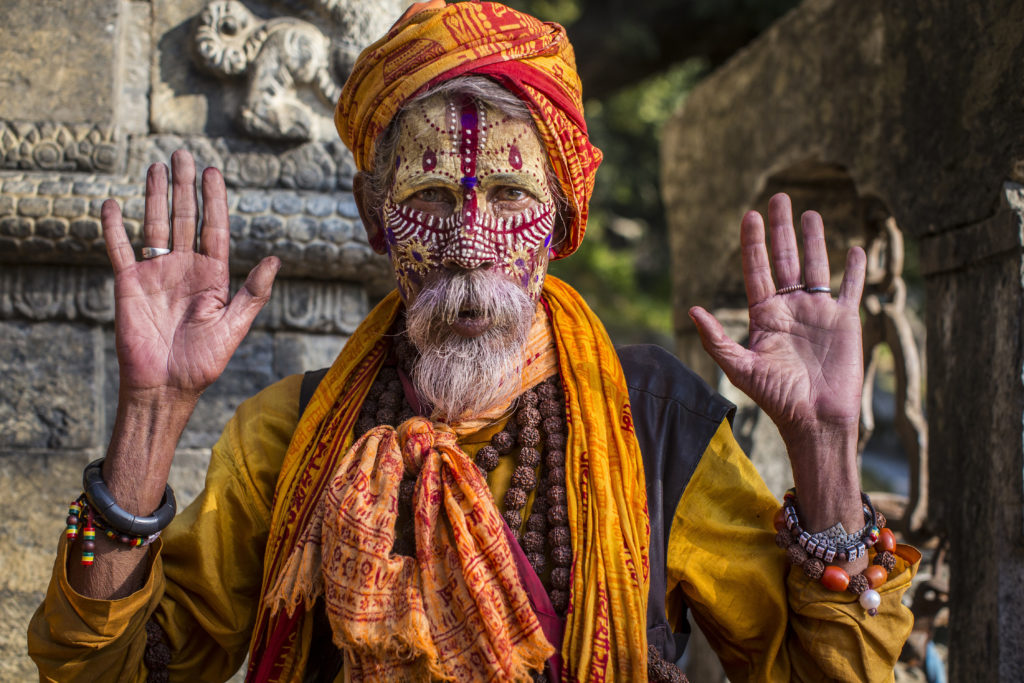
(470, 191)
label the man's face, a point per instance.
(470, 192)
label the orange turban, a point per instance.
(434, 43)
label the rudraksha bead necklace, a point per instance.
(538, 428)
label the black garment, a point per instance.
(675, 415)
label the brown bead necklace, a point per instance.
(538, 428)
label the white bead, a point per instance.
(870, 599)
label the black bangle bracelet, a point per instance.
(117, 518)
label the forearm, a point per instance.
(146, 432)
(764, 617)
(827, 482)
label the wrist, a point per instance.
(146, 432)
(825, 474)
(163, 399)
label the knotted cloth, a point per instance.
(605, 635)
(530, 58)
(457, 611)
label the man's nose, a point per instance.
(470, 249)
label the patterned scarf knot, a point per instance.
(458, 609)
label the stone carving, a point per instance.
(53, 218)
(49, 146)
(65, 293)
(886, 322)
(316, 165)
(278, 57)
(309, 306)
(56, 293)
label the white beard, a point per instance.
(462, 377)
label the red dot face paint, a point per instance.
(429, 160)
(476, 196)
(515, 159)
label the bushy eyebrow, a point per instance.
(520, 180)
(421, 182)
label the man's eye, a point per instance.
(431, 195)
(510, 194)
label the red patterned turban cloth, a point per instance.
(435, 42)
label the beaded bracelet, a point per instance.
(835, 578)
(80, 509)
(833, 543)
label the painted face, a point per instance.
(470, 191)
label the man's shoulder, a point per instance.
(653, 375)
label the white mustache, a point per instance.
(462, 376)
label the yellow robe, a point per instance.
(766, 621)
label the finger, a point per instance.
(119, 248)
(852, 287)
(155, 229)
(734, 360)
(183, 200)
(757, 270)
(816, 272)
(215, 240)
(785, 255)
(253, 295)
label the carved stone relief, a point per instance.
(317, 165)
(74, 293)
(263, 69)
(54, 218)
(49, 146)
(277, 56)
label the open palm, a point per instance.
(176, 323)
(803, 365)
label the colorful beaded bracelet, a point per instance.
(80, 509)
(835, 578)
(833, 543)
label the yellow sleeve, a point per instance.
(204, 575)
(766, 620)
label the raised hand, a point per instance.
(176, 323)
(804, 364)
(176, 328)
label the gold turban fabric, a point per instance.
(530, 58)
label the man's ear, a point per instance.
(370, 218)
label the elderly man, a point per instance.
(480, 487)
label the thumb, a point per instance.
(254, 294)
(730, 356)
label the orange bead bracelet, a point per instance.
(832, 577)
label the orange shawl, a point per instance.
(605, 636)
(530, 58)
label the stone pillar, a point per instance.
(94, 91)
(976, 403)
(857, 93)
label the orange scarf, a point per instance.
(605, 636)
(457, 611)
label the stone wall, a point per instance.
(911, 108)
(93, 92)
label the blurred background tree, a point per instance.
(638, 59)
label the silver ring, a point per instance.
(819, 290)
(153, 252)
(789, 288)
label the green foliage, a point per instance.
(562, 11)
(622, 268)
